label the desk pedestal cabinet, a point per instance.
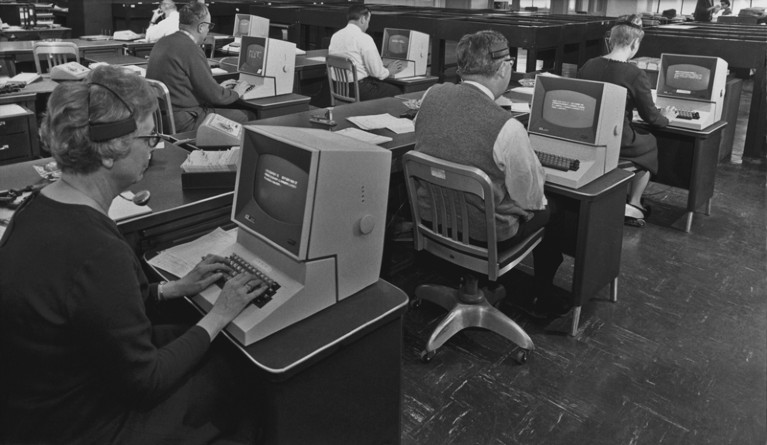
(16, 133)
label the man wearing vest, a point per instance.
(463, 124)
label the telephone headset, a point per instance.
(104, 131)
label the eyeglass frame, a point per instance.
(153, 139)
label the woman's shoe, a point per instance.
(634, 216)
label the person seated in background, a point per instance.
(81, 360)
(161, 27)
(462, 123)
(639, 149)
(723, 8)
(353, 42)
(178, 61)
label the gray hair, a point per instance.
(72, 106)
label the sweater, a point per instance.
(460, 123)
(75, 341)
(181, 65)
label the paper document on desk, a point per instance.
(218, 71)
(123, 208)
(386, 120)
(180, 260)
(317, 59)
(364, 136)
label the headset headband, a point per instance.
(104, 131)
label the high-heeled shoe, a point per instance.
(634, 216)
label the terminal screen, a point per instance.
(395, 43)
(253, 55)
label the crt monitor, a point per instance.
(268, 65)
(250, 25)
(578, 119)
(691, 77)
(395, 43)
(566, 110)
(310, 208)
(409, 46)
(252, 58)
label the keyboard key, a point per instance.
(239, 265)
(558, 162)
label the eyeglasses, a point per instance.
(152, 139)
(210, 25)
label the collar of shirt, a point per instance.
(481, 87)
(189, 34)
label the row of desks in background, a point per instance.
(557, 38)
(16, 52)
(553, 37)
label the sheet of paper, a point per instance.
(371, 121)
(401, 125)
(317, 59)
(364, 136)
(520, 107)
(524, 90)
(180, 260)
(123, 208)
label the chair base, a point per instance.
(468, 311)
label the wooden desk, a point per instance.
(339, 367)
(594, 216)
(688, 159)
(399, 144)
(742, 46)
(273, 106)
(116, 59)
(413, 84)
(43, 32)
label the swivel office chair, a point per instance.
(163, 115)
(342, 79)
(54, 53)
(444, 232)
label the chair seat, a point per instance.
(512, 254)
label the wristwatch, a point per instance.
(160, 296)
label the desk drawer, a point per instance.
(14, 146)
(12, 125)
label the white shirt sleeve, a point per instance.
(372, 59)
(164, 27)
(524, 174)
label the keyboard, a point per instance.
(239, 265)
(558, 162)
(686, 113)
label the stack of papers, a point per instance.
(212, 161)
(364, 136)
(180, 260)
(386, 120)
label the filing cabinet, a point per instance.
(17, 126)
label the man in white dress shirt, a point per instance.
(168, 25)
(360, 47)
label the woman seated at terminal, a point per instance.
(639, 149)
(81, 362)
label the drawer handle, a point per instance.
(5, 147)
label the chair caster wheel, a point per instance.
(522, 356)
(426, 356)
(416, 303)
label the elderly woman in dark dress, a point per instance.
(637, 146)
(81, 361)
